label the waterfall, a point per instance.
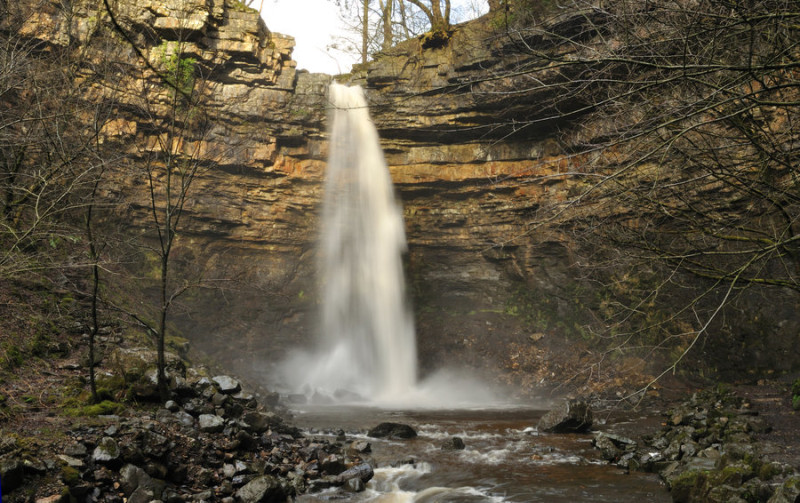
(368, 343)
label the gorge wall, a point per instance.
(495, 275)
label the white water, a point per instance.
(368, 344)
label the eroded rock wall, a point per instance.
(469, 192)
(479, 166)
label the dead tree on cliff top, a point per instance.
(378, 25)
(689, 114)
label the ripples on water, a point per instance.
(505, 460)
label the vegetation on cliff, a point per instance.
(681, 122)
(627, 170)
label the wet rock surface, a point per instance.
(713, 447)
(393, 431)
(570, 416)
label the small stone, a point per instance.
(184, 418)
(333, 464)
(259, 422)
(132, 477)
(228, 470)
(172, 406)
(76, 449)
(219, 399)
(70, 461)
(361, 447)
(210, 423)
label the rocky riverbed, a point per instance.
(212, 441)
(217, 441)
(716, 446)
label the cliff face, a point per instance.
(494, 276)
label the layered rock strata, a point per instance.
(478, 155)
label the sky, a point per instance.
(313, 23)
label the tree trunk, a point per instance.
(386, 13)
(365, 32)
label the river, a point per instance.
(505, 459)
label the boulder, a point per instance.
(11, 473)
(227, 385)
(453, 444)
(362, 473)
(392, 431)
(138, 367)
(259, 422)
(263, 489)
(571, 416)
(107, 451)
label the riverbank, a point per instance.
(218, 441)
(729, 443)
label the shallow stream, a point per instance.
(505, 459)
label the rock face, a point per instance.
(483, 278)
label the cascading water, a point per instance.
(369, 345)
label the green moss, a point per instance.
(71, 476)
(178, 344)
(239, 6)
(13, 355)
(796, 402)
(733, 475)
(687, 485)
(39, 345)
(103, 408)
(769, 470)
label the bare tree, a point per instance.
(378, 25)
(46, 156)
(687, 114)
(172, 152)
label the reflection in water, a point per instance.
(505, 460)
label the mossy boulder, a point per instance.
(138, 368)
